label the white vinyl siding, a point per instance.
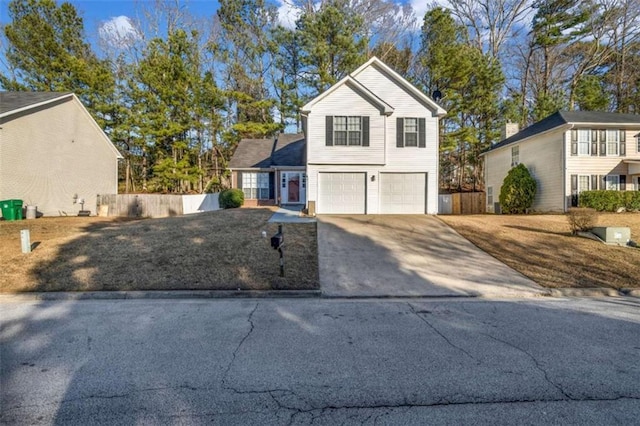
(352, 105)
(402, 193)
(341, 193)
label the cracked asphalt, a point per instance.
(309, 361)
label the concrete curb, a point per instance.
(593, 292)
(163, 294)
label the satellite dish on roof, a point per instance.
(437, 95)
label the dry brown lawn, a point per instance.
(221, 250)
(542, 248)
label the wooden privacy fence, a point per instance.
(462, 203)
(154, 205)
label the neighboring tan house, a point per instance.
(569, 152)
(53, 154)
(270, 171)
(372, 146)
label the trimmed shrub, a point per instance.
(582, 219)
(231, 198)
(610, 201)
(518, 191)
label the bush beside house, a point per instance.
(610, 201)
(518, 191)
(231, 198)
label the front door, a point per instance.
(293, 186)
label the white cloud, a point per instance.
(420, 7)
(119, 31)
(288, 14)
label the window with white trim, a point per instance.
(612, 182)
(490, 196)
(410, 132)
(347, 130)
(584, 142)
(584, 183)
(613, 143)
(255, 186)
(515, 155)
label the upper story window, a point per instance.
(347, 131)
(613, 142)
(584, 142)
(515, 156)
(411, 132)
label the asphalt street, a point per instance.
(320, 361)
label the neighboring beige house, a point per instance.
(53, 154)
(270, 171)
(569, 152)
(372, 146)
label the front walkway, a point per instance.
(409, 256)
(290, 213)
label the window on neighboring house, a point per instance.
(410, 132)
(346, 131)
(613, 142)
(612, 182)
(490, 196)
(584, 183)
(255, 186)
(638, 143)
(584, 142)
(515, 156)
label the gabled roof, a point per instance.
(14, 102)
(356, 85)
(287, 150)
(439, 111)
(564, 118)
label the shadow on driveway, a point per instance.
(408, 256)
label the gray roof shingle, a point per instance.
(561, 118)
(286, 150)
(10, 101)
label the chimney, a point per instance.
(509, 130)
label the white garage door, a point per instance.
(402, 193)
(341, 193)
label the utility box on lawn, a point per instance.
(619, 235)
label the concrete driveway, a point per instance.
(400, 255)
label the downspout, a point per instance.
(564, 168)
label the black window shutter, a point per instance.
(574, 190)
(594, 142)
(623, 144)
(422, 137)
(594, 182)
(272, 185)
(365, 131)
(623, 136)
(603, 143)
(601, 184)
(239, 180)
(329, 130)
(574, 142)
(399, 132)
(623, 183)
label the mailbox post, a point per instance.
(277, 241)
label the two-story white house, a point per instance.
(372, 146)
(567, 153)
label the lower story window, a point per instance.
(490, 196)
(612, 183)
(584, 183)
(255, 186)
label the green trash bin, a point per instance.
(11, 209)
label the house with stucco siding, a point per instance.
(53, 154)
